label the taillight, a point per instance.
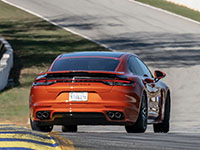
(119, 82)
(42, 80)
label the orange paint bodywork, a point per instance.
(102, 98)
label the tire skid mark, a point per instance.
(16, 137)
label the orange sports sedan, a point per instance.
(99, 88)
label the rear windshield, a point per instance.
(92, 64)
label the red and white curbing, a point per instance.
(6, 63)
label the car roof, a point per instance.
(98, 53)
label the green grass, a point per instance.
(36, 44)
(177, 9)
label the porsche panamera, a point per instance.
(99, 88)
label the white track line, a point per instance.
(164, 11)
(60, 26)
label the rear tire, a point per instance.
(165, 125)
(141, 124)
(37, 127)
(70, 128)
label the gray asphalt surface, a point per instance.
(162, 40)
(115, 138)
(123, 141)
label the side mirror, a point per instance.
(159, 75)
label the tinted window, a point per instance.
(144, 68)
(135, 67)
(103, 54)
(95, 64)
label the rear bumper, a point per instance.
(85, 114)
(91, 112)
(82, 119)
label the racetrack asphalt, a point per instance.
(162, 40)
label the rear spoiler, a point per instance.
(95, 74)
(77, 71)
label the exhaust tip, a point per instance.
(111, 115)
(43, 115)
(118, 115)
(39, 115)
(115, 115)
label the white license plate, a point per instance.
(78, 96)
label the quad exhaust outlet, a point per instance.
(115, 115)
(43, 115)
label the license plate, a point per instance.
(78, 96)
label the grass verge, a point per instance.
(177, 9)
(36, 43)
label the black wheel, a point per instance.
(70, 128)
(37, 127)
(141, 124)
(164, 126)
